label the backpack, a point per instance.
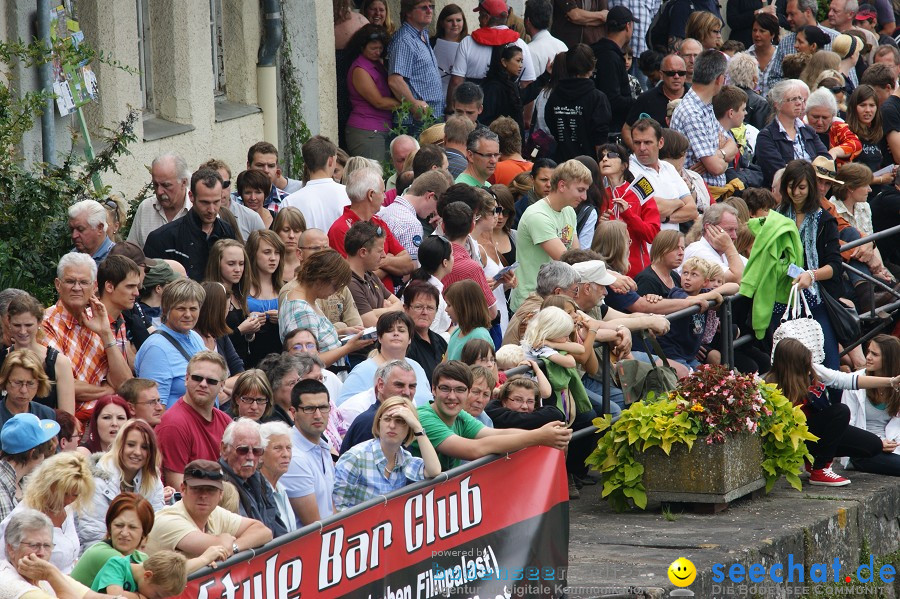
(658, 33)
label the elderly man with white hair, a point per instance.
(87, 223)
(366, 192)
(787, 138)
(821, 114)
(84, 336)
(242, 452)
(27, 571)
(169, 179)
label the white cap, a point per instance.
(593, 271)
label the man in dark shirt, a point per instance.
(655, 100)
(365, 251)
(612, 77)
(575, 22)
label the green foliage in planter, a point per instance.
(674, 419)
(34, 200)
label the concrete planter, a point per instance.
(708, 474)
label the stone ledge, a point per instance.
(627, 555)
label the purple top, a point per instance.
(364, 115)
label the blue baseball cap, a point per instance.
(26, 431)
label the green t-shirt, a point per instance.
(117, 571)
(470, 180)
(95, 557)
(539, 223)
(457, 342)
(464, 426)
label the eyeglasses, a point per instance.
(260, 401)
(302, 346)
(674, 73)
(37, 546)
(245, 449)
(519, 401)
(448, 389)
(795, 100)
(312, 409)
(209, 381)
(836, 89)
(495, 156)
(611, 155)
(22, 384)
(76, 283)
(203, 474)
(423, 308)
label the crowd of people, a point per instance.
(258, 353)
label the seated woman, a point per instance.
(484, 381)
(666, 255)
(110, 415)
(468, 308)
(420, 302)
(806, 385)
(381, 465)
(212, 325)
(394, 331)
(128, 519)
(131, 465)
(22, 377)
(251, 397)
(821, 114)
(253, 187)
(276, 440)
(878, 410)
(58, 488)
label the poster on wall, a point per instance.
(497, 531)
(74, 84)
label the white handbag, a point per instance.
(805, 329)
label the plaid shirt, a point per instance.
(412, 57)
(643, 11)
(7, 489)
(786, 47)
(766, 81)
(298, 314)
(400, 218)
(359, 474)
(697, 121)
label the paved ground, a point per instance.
(627, 555)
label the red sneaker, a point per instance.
(809, 468)
(826, 477)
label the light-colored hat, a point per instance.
(593, 271)
(825, 169)
(433, 135)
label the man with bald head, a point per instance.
(655, 100)
(169, 180)
(689, 50)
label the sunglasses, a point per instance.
(245, 449)
(611, 155)
(209, 381)
(226, 183)
(204, 474)
(674, 73)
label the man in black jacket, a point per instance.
(187, 239)
(612, 78)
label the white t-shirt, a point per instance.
(666, 182)
(321, 201)
(703, 249)
(473, 59)
(544, 47)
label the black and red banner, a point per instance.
(497, 531)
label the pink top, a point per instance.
(364, 115)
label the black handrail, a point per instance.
(872, 237)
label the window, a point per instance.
(218, 53)
(145, 56)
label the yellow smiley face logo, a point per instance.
(682, 572)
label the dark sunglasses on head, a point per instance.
(245, 449)
(197, 473)
(674, 73)
(209, 381)
(111, 205)
(226, 183)
(611, 155)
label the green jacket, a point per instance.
(765, 279)
(568, 389)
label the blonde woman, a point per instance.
(613, 244)
(382, 464)
(706, 28)
(58, 488)
(23, 378)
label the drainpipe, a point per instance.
(267, 68)
(45, 73)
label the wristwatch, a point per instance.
(235, 549)
(420, 433)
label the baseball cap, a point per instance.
(593, 271)
(26, 431)
(495, 8)
(159, 274)
(866, 12)
(133, 251)
(825, 169)
(620, 15)
(203, 473)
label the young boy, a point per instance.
(164, 574)
(715, 277)
(685, 335)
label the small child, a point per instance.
(163, 574)
(549, 333)
(685, 335)
(509, 356)
(715, 278)
(478, 352)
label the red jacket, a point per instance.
(642, 221)
(840, 135)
